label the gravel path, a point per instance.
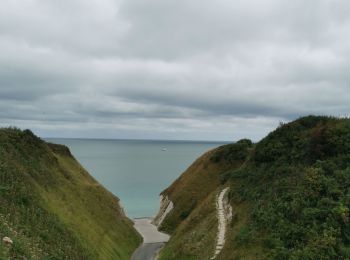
(224, 213)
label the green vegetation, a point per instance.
(193, 239)
(297, 183)
(193, 222)
(52, 208)
(290, 195)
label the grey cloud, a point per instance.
(173, 29)
(171, 69)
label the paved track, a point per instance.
(153, 240)
(147, 251)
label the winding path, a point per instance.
(224, 213)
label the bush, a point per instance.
(297, 183)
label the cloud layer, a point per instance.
(194, 69)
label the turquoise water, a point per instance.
(136, 170)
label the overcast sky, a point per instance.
(171, 69)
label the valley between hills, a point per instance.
(284, 197)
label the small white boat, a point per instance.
(164, 149)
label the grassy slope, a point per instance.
(193, 222)
(51, 207)
(290, 197)
(193, 239)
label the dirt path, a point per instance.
(224, 213)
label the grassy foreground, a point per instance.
(290, 195)
(52, 208)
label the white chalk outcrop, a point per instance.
(166, 205)
(224, 214)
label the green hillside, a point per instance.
(290, 197)
(52, 208)
(192, 222)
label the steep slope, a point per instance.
(192, 222)
(290, 199)
(52, 208)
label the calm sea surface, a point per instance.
(136, 170)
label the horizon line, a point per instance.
(139, 139)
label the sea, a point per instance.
(136, 171)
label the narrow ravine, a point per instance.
(224, 214)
